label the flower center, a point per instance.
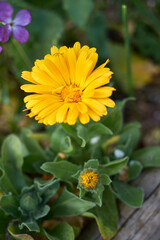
(89, 179)
(71, 94)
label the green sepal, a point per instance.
(106, 216)
(105, 179)
(128, 194)
(134, 169)
(62, 169)
(69, 204)
(62, 231)
(113, 167)
(148, 157)
(82, 191)
(91, 164)
(97, 194)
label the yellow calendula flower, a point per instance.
(66, 87)
(89, 179)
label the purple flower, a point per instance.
(15, 26)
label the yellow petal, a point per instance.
(37, 88)
(107, 101)
(84, 118)
(95, 117)
(28, 76)
(103, 92)
(62, 112)
(82, 107)
(95, 105)
(77, 47)
(72, 114)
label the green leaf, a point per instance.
(31, 225)
(17, 234)
(32, 145)
(62, 169)
(68, 204)
(98, 129)
(114, 167)
(60, 142)
(128, 194)
(122, 103)
(148, 157)
(62, 231)
(134, 169)
(78, 11)
(129, 138)
(11, 164)
(47, 189)
(4, 221)
(96, 33)
(82, 133)
(92, 163)
(10, 205)
(114, 120)
(106, 216)
(71, 130)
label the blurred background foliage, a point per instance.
(97, 23)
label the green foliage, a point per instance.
(29, 200)
(148, 157)
(60, 142)
(17, 234)
(114, 120)
(68, 204)
(11, 178)
(96, 33)
(114, 167)
(134, 169)
(130, 195)
(62, 169)
(62, 231)
(78, 11)
(106, 216)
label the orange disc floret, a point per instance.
(89, 179)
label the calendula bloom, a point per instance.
(66, 86)
(89, 179)
(16, 25)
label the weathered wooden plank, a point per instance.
(144, 223)
(136, 224)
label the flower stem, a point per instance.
(22, 53)
(128, 50)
